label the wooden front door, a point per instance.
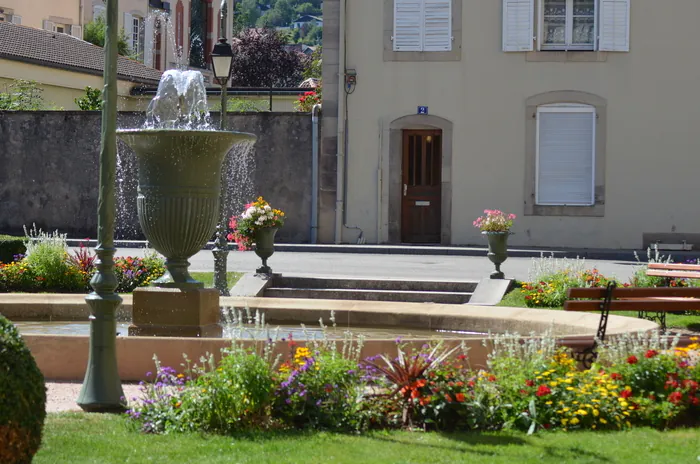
(422, 186)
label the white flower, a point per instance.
(267, 208)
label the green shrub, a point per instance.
(10, 247)
(47, 256)
(22, 398)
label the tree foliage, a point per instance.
(314, 66)
(260, 60)
(22, 95)
(94, 32)
(91, 101)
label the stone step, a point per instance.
(373, 284)
(410, 296)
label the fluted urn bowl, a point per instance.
(179, 192)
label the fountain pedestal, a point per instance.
(173, 312)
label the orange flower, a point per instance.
(459, 397)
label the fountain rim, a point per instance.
(190, 132)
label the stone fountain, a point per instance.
(179, 158)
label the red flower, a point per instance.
(459, 397)
(671, 384)
(694, 400)
(547, 426)
(632, 360)
(691, 385)
(459, 384)
(462, 357)
(529, 383)
(471, 383)
(675, 397)
(615, 376)
(543, 390)
(523, 392)
(492, 378)
(448, 398)
(626, 393)
(650, 354)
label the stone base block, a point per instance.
(172, 312)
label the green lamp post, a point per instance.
(221, 59)
(102, 389)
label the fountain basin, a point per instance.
(64, 357)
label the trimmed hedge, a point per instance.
(22, 398)
(11, 246)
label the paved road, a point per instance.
(419, 267)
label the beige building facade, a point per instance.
(579, 116)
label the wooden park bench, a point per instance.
(674, 270)
(609, 299)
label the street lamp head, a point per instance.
(221, 59)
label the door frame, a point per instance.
(391, 166)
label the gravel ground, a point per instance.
(61, 396)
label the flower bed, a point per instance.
(531, 386)
(48, 266)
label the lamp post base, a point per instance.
(220, 271)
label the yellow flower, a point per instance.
(566, 409)
(603, 421)
(548, 403)
(574, 420)
(582, 412)
(553, 384)
(624, 404)
(564, 421)
(593, 426)
(596, 413)
(570, 388)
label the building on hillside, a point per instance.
(194, 26)
(580, 117)
(307, 20)
(64, 65)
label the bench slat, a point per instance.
(676, 266)
(677, 274)
(638, 304)
(634, 292)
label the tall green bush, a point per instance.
(22, 398)
(10, 247)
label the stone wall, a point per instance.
(49, 171)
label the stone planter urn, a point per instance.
(179, 193)
(265, 247)
(498, 251)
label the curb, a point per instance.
(571, 253)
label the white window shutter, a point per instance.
(437, 25)
(565, 158)
(408, 25)
(518, 25)
(614, 26)
(76, 31)
(149, 40)
(16, 19)
(128, 30)
(48, 26)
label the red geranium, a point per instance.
(459, 397)
(616, 376)
(543, 390)
(626, 393)
(632, 360)
(675, 397)
(529, 383)
(650, 354)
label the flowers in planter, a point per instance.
(494, 221)
(257, 215)
(306, 102)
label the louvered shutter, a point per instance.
(48, 26)
(565, 157)
(76, 31)
(16, 19)
(149, 40)
(437, 31)
(408, 25)
(128, 29)
(518, 21)
(614, 25)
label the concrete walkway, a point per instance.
(386, 266)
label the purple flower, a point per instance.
(318, 403)
(398, 340)
(148, 374)
(351, 372)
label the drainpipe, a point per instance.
(340, 157)
(314, 172)
(342, 161)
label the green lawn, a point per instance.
(517, 299)
(79, 438)
(208, 278)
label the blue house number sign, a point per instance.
(422, 110)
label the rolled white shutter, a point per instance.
(437, 25)
(48, 26)
(565, 158)
(614, 26)
(408, 25)
(149, 39)
(16, 19)
(518, 25)
(76, 31)
(129, 30)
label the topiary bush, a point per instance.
(22, 398)
(10, 247)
